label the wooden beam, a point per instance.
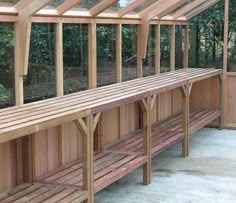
(24, 28)
(32, 7)
(172, 6)
(187, 8)
(101, 6)
(161, 8)
(225, 61)
(119, 53)
(172, 48)
(88, 157)
(92, 51)
(59, 59)
(66, 5)
(147, 141)
(200, 9)
(22, 4)
(19, 90)
(186, 46)
(130, 7)
(144, 38)
(139, 53)
(158, 50)
(72, 19)
(185, 142)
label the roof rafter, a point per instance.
(171, 7)
(101, 6)
(201, 8)
(22, 4)
(67, 5)
(187, 8)
(161, 8)
(130, 7)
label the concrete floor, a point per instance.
(207, 175)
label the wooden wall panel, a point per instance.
(231, 101)
(176, 101)
(110, 126)
(71, 142)
(46, 151)
(5, 169)
(130, 119)
(166, 105)
(205, 94)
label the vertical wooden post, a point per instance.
(172, 61)
(147, 140)
(19, 99)
(221, 100)
(186, 45)
(59, 58)
(139, 54)
(87, 140)
(119, 53)
(92, 51)
(172, 50)
(60, 79)
(158, 63)
(225, 58)
(185, 142)
(158, 50)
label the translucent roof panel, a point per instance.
(54, 4)
(86, 4)
(143, 6)
(8, 2)
(119, 5)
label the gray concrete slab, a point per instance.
(207, 175)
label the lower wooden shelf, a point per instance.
(110, 165)
(34, 193)
(108, 168)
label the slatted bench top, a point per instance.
(16, 122)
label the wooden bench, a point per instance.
(84, 108)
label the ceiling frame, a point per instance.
(101, 6)
(187, 8)
(201, 8)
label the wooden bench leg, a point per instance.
(185, 143)
(86, 127)
(146, 107)
(221, 101)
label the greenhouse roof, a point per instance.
(50, 10)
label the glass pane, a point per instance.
(6, 65)
(206, 38)
(129, 52)
(179, 46)
(149, 61)
(119, 5)
(75, 57)
(54, 4)
(144, 5)
(106, 55)
(40, 83)
(8, 2)
(165, 48)
(86, 4)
